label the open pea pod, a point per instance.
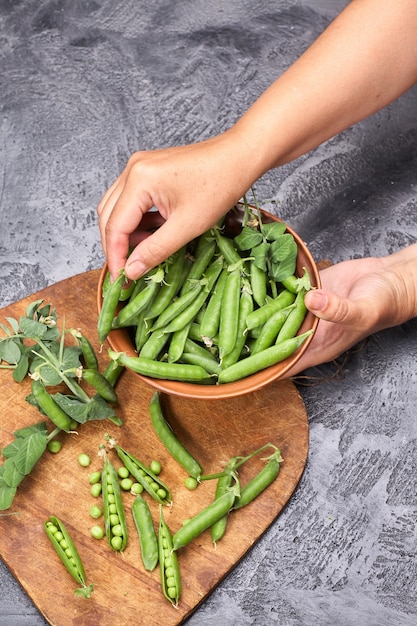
(68, 553)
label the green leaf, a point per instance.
(10, 350)
(30, 430)
(30, 451)
(73, 407)
(14, 324)
(248, 238)
(283, 269)
(32, 329)
(10, 450)
(259, 255)
(11, 475)
(273, 230)
(7, 493)
(283, 247)
(33, 307)
(21, 369)
(100, 410)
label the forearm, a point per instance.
(401, 271)
(363, 61)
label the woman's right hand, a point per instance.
(191, 186)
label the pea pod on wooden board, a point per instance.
(49, 407)
(149, 481)
(115, 523)
(261, 481)
(224, 483)
(168, 562)
(170, 440)
(205, 518)
(147, 536)
(68, 553)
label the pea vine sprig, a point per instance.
(33, 347)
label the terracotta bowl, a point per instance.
(120, 340)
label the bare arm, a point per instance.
(365, 59)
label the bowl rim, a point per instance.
(243, 386)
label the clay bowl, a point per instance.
(120, 340)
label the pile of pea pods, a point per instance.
(218, 310)
(158, 544)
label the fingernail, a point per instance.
(135, 268)
(316, 300)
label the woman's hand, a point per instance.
(357, 299)
(191, 186)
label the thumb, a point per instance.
(332, 308)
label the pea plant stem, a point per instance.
(240, 462)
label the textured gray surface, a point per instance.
(85, 83)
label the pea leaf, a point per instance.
(273, 230)
(11, 475)
(259, 255)
(248, 238)
(29, 430)
(30, 451)
(21, 369)
(32, 328)
(10, 350)
(7, 493)
(14, 324)
(73, 407)
(284, 247)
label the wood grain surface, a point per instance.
(212, 430)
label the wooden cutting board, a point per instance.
(213, 431)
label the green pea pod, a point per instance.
(205, 518)
(177, 343)
(109, 306)
(100, 383)
(204, 254)
(146, 532)
(188, 315)
(170, 440)
(245, 308)
(258, 281)
(128, 314)
(176, 307)
(261, 360)
(229, 315)
(269, 331)
(87, 350)
(115, 523)
(112, 372)
(155, 487)
(173, 281)
(68, 553)
(260, 482)
(49, 407)
(209, 326)
(168, 563)
(158, 369)
(295, 318)
(227, 248)
(262, 314)
(224, 483)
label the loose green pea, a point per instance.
(94, 478)
(54, 446)
(97, 532)
(191, 483)
(126, 484)
(123, 472)
(136, 489)
(155, 467)
(95, 490)
(84, 459)
(96, 511)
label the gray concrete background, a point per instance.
(83, 84)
